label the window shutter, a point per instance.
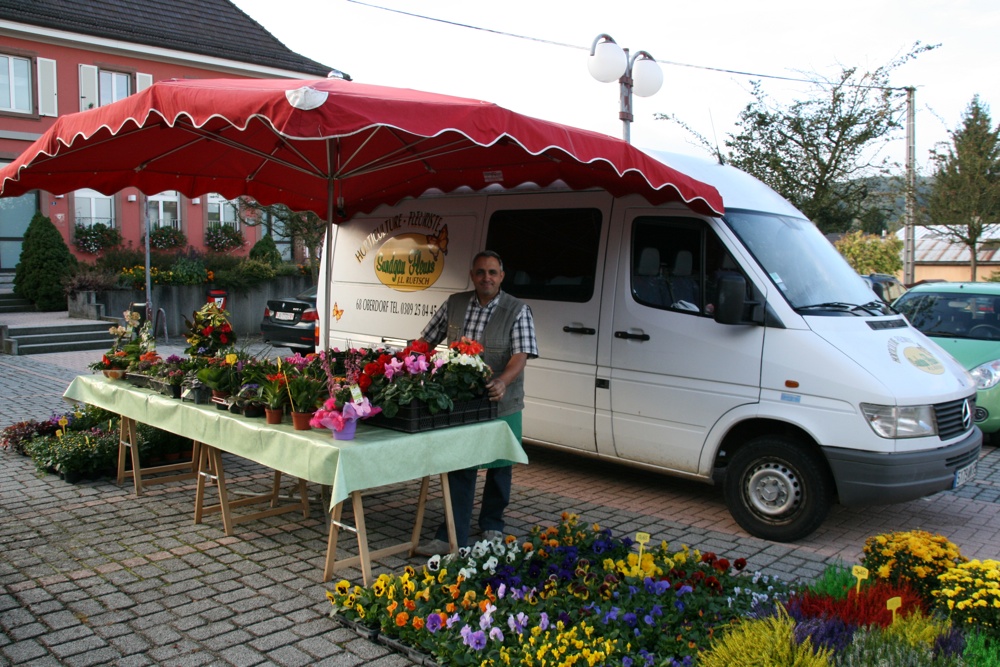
(88, 88)
(142, 81)
(48, 100)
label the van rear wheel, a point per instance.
(777, 489)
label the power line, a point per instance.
(587, 48)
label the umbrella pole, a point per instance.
(324, 341)
(149, 287)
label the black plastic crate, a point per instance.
(415, 418)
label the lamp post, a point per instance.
(638, 74)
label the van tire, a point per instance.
(777, 489)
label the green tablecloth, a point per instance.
(375, 457)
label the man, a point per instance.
(505, 328)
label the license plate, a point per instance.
(284, 316)
(963, 475)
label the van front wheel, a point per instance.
(776, 489)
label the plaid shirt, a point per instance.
(476, 318)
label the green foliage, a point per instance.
(266, 251)
(981, 650)
(306, 228)
(769, 641)
(814, 152)
(867, 253)
(223, 238)
(836, 581)
(167, 238)
(245, 275)
(965, 195)
(94, 238)
(45, 263)
(76, 453)
(90, 279)
(189, 270)
(117, 259)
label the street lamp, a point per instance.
(639, 74)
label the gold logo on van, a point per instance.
(412, 262)
(919, 357)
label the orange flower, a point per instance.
(402, 618)
(418, 623)
(410, 604)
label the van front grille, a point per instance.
(952, 418)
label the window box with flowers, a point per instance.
(223, 238)
(92, 239)
(167, 238)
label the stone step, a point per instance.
(61, 346)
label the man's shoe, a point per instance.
(433, 548)
(493, 536)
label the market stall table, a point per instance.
(376, 457)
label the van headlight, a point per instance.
(907, 421)
(987, 375)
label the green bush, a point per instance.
(266, 251)
(94, 238)
(189, 271)
(167, 238)
(223, 238)
(245, 275)
(119, 258)
(90, 279)
(76, 453)
(45, 262)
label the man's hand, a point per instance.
(495, 389)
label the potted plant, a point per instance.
(114, 362)
(222, 377)
(209, 332)
(250, 400)
(341, 416)
(275, 396)
(304, 394)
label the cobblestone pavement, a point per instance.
(93, 575)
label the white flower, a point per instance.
(491, 564)
(466, 573)
(434, 563)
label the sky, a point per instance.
(546, 76)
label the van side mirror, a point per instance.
(732, 299)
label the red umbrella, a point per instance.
(330, 146)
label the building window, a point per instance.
(164, 210)
(15, 84)
(274, 227)
(90, 207)
(222, 211)
(113, 86)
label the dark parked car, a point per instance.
(291, 322)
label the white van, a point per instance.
(741, 349)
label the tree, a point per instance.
(964, 203)
(819, 153)
(306, 227)
(867, 253)
(45, 262)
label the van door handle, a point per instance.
(586, 331)
(631, 336)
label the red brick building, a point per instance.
(63, 56)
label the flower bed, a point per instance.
(575, 595)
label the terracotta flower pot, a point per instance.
(114, 373)
(300, 421)
(274, 416)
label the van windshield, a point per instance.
(804, 265)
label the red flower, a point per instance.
(374, 369)
(420, 346)
(721, 565)
(207, 331)
(223, 338)
(225, 328)
(364, 381)
(739, 564)
(467, 346)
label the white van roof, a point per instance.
(738, 188)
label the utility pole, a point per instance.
(911, 189)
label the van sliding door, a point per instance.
(553, 253)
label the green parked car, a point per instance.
(964, 319)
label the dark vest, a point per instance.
(497, 344)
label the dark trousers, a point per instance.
(496, 495)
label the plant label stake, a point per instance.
(892, 604)
(642, 539)
(860, 572)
